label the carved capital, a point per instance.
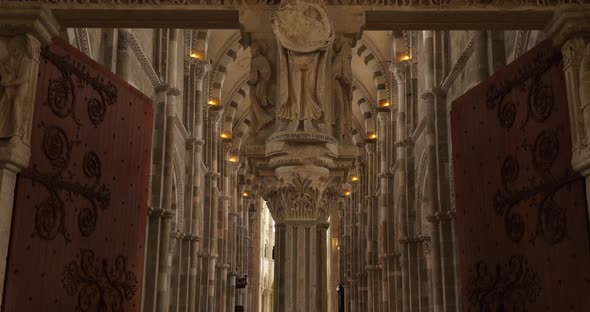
(573, 52)
(123, 39)
(301, 196)
(399, 71)
(201, 67)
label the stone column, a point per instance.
(171, 94)
(400, 202)
(372, 230)
(199, 71)
(300, 204)
(481, 68)
(224, 241)
(24, 29)
(570, 30)
(123, 68)
(212, 198)
(385, 236)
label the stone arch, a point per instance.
(365, 50)
(237, 95)
(361, 97)
(230, 54)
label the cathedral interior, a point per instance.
(294, 155)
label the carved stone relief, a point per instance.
(18, 63)
(304, 33)
(260, 74)
(342, 89)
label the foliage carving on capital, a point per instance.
(573, 52)
(19, 58)
(300, 198)
(399, 71)
(202, 67)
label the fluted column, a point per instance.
(300, 198)
(24, 30)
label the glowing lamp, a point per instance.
(405, 57)
(246, 194)
(384, 104)
(346, 193)
(372, 135)
(196, 55)
(225, 135)
(213, 102)
(354, 178)
(233, 159)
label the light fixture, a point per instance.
(372, 135)
(246, 194)
(346, 193)
(405, 57)
(354, 178)
(384, 103)
(196, 55)
(233, 158)
(225, 135)
(213, 102)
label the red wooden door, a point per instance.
(522, 221)
(80, 208)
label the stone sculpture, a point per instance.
(15, 62)
(304, 33)
(260, 74)
(342, 88)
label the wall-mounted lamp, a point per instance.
(405, 57)
(233, 158)
(213, 102)
(354, 178)
(346, 193)
(196, 55)
(225, 135)
(246, 194)
(384, 104)
(372, 135)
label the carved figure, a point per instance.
(342, 88)
(260, 73)
(304, 33)
(14, 86)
